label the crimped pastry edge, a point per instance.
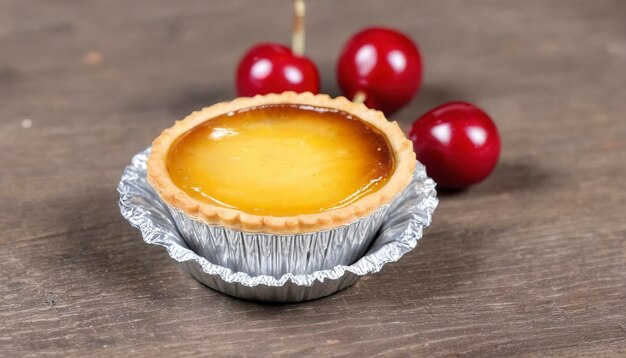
(159, 178)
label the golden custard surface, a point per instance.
(281, 160)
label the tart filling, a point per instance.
(281, 163)
(281, 160)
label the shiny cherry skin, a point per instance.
(458, 143)
(382, 63)
(273, 68)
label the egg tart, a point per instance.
(281, 163)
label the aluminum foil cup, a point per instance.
(276, 255)
(393, 234)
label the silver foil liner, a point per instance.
(383, 237)
(276, 255)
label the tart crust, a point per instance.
(159, 178)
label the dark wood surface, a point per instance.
(531, 262)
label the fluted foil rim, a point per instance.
(136, 209)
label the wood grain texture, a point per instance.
(531, 262)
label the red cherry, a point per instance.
(458, 143)
(273, 68)
(382, 63)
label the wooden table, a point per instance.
(530, 262)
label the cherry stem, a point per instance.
(297, 36)
(359, 97)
